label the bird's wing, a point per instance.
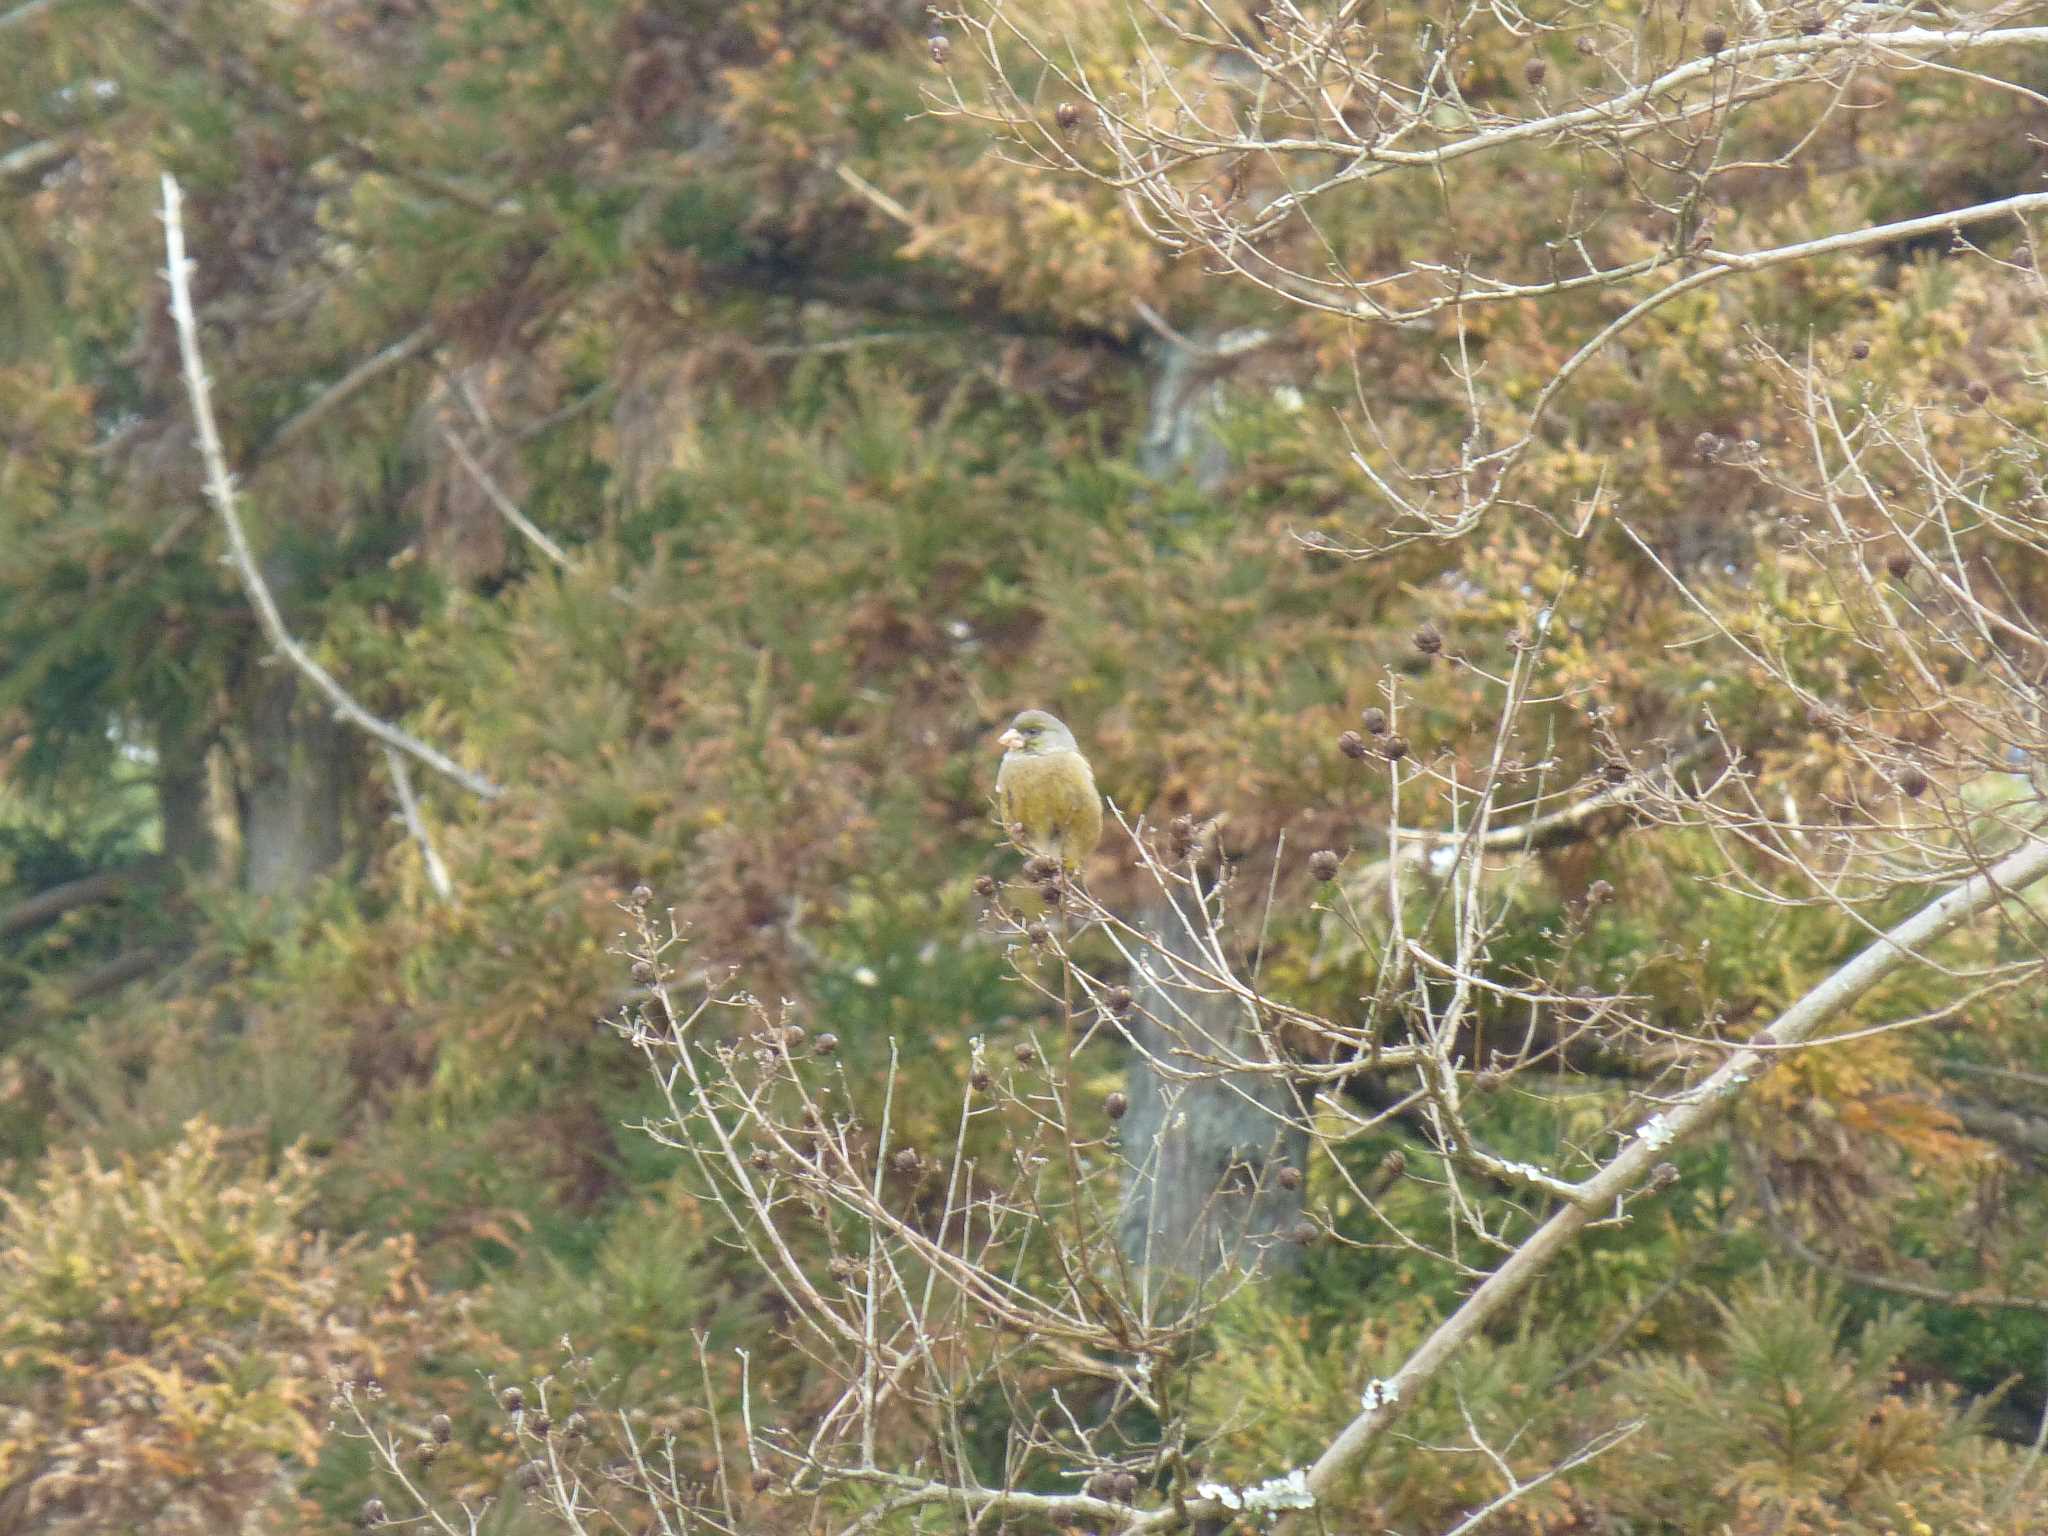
(1080, 808)
(1006, 808)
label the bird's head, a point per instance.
(1035, 732)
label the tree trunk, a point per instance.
(1203, 1191)
(182, 807)
(302, 764)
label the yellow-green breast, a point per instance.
(1052, 796)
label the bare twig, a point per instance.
(416, 824)
(351, 384)
(507, 508)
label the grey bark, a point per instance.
(182, 811)
(1203, 1190)
(302, 764)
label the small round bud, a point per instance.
(1352, 745)
(1037, 933)
(1614, 771)
(1534, 71)
(1395, 748)
(1323, 864)
(1912, 783)
(906, 1160)
(1707, 444)
(1825, 719)
(940, 46)
(1394, 1164)
(762, 1159)
(1289, 1177)
(1375, 721)
(1899, 563)
(1860, 350)
(575, 1427)
(372, 1512)
(1039, 867)
(980, 1081)
(641, 896)
(1663, 1176)
(1068, 115)
(1428, 638)
(762, 1480)
(1025, 1052)
(512, 1400)
(540, 1426)
(1116, 1106)
(1118, 1001)
(643, 971)
(828, 1044)
(795, 1035)
(984, 886)
(1098, 1485)
(1978, 391)
(426, 1452)
(1586, 45)
(1305, 1232)
(442, 1428)
(532, 1475)
(1714, 39)
(1599, 893)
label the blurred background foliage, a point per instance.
(845, 424)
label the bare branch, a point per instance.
(221, 491)
(416, 824)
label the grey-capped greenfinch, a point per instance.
(1045, 791)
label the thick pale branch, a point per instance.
(1631, 1168)
(220, 490)
(28, 12)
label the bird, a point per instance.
(1045, 791)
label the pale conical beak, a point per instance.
(1009, 741)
